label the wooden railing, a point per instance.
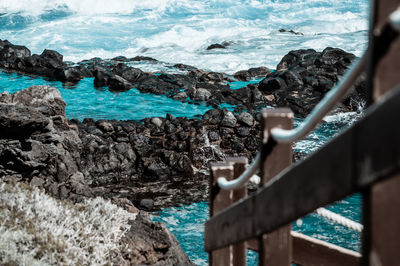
(365, 159)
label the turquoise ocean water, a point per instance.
(179, 31)
(186, 222)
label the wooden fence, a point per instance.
(363, 159)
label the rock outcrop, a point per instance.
(164, 160)
(303, 77)
(150, 243)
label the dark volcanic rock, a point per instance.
(131, 74)
(152, 244)
(104, 77)
(143, 58)
(245, 119)
(52, 59)
(304, 76)
(20, 122)
(34, 136)
(38, 145)
(228, 120)
(291, 31)
(216, 46)
(11, 55)
(184, 67)
(146, 204)
(213, 116)
(201, 94)
(49, 64)
(301, 80)
(69, 74)
(158, 157)
(256, 72)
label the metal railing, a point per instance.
(288, 136)
(352, 162)
(329, 101)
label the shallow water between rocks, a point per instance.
(187, 222)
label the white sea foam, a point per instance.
(179, 31)
(38, 7)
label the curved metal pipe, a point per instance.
(395, 19)
(287, 136)
(323, 107)
(243, 178)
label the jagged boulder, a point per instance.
(303, 77)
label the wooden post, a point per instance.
(381, 203)
(219, 200)
(239, 166)
(276, 247)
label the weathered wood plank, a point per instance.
(385, 221)
(310, 251)
(282, 202)
(381, 202)
(252, 244)
(386, 75)
(276, 247)
(328, 175)
(313, 252)
(219, 200)
(239, 166)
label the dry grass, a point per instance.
(36, 229)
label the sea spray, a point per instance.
(179, 31)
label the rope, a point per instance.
(327, 214)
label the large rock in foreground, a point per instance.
(36, 229)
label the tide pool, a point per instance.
(240, 84)
(84, 101)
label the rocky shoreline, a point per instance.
(156, 162)
(300, 81)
